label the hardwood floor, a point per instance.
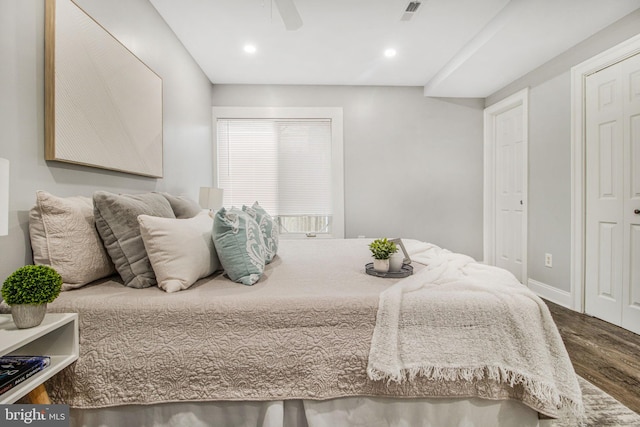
(604, 354)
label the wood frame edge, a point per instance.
(49, 81)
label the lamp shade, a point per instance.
(4, 197)
(210, 198)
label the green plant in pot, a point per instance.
(28, 290)
(381, 250)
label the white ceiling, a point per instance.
(454, 48)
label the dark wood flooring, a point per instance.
(603, 354)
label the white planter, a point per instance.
(381, 265)
(28, 315)
(395, 262)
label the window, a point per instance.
(290, 160)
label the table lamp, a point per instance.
(211, 198)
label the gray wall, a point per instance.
(549, 181)
(413, 165)
(187, 113)
(550, 151)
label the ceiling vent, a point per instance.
(410, 10)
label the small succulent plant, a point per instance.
(32, 284)
(382, 248)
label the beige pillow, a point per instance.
(63, 235)
(181, 251)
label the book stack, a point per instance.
(16, 369)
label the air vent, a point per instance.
(412, 6)
(410, 10)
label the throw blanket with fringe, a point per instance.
(459, 320)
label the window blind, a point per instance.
(285, 164)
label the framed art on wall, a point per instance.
(103, 105)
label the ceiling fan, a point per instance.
(289, 14)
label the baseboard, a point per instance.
(550, 293)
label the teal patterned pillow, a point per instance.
(237, 239)
(268, 229)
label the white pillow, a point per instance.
(181, 251)
(63, 235)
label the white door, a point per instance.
(509, 190)
(604, 195)
(612, 264)
(631, 216)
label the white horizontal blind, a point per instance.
(304, 168)
(247, 163)
(285, 164)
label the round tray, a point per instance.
(405, 271)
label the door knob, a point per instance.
(637, 212)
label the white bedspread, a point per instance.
(305, 331)
(459, 320)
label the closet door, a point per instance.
(612, 267)
(631, 264)
(604, 195)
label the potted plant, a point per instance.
(381, 250)
(28, 290)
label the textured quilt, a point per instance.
(303, 331)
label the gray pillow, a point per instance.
(238, 243)
(116, 217)
(182, 206)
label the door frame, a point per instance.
(579, 73)
(520, 98)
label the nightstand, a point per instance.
(56, 336)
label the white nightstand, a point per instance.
(56, 336)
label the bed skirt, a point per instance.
(349, 411)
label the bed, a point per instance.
(316, 342)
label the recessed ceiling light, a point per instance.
(249, 48)
(390, 53)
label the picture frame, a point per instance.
(103, 105)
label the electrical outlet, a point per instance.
(548, 260)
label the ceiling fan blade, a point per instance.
(289, 14)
